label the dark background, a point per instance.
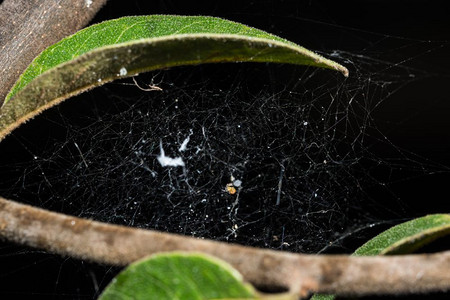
(414, 34)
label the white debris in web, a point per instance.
(88, 3)
(185, 142)
(237, 183)
(123, 71)
(166, 161)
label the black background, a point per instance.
(416, 33)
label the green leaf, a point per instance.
(137, 29)
(403, 239)
(178, 275)
(407, 237)
(322, 297)
(127, 46)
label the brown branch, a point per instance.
(302, 274)
(29, 26)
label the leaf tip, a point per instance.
(2, 103)
(345, 72)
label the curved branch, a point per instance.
(29, 26)
(302, 274)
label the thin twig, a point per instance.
(300, 273)
(29, 26)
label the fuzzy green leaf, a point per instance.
(403, 239)
(178, 276)
(407, 237)
(137, 29)
(127, 46)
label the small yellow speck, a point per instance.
(231, 189)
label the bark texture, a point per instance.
(29, 26)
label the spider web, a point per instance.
(280, 157)
(283, 167)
